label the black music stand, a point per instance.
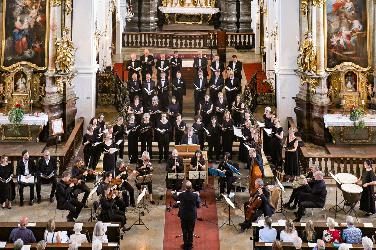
(282, 211)
(229, 222)
(143, 180)
(175, 177)
(139, 221)
(199, 175)
(336, 208)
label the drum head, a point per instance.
(351, 188)
(346, 178)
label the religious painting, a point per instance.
(346, 32)
(351, 81)
(20, 82)
(25, 35)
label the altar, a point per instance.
(29, 129)
(343, 131)
(188, 15)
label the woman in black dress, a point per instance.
(291, 156)
(368, 181)
(220, 107)
(227, 133)
(276, 143)
(197, 164)
(180, 127)
(247, 139)
(268, 116)
(97, 143)
(109, 158)
(163, 130)
(214, 139)
(173, 111)
(132, 132)
(206, 110)
(146, 134)
(198, 129)
(136, 109)
(6, 174)
(87, 142)
(237, 110)
(119, 134)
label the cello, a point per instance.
(255, 203)
(255, 173)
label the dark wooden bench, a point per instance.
(88, 246)
(113, 230)
(289, 246)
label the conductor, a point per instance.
(189, 202)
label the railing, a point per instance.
(186, 40)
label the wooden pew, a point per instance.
(368, 229)
(289, 246)
(113, 229)
(87, 246)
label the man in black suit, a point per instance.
(190, 138)
(216, 65)
(216, 85)
(314, 196)
(178, 90)
(65, 199)
(199, 91)
(189, 202)
(147, 63)
(236, 67)
(134, 87)
(148, 90)
(47, 168)
(176, 64)
(200, 63)
(162, 87)
(232, 86)
(26, 173)
(162, 65)
(133, 66)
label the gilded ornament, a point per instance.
(65, 53)
(307, 59)
(304, 6)
(318, 2)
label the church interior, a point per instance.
(187, 124)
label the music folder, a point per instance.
(179, 176)
(197, 175)
(24, 179)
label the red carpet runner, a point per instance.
(207, 229)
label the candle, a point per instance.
(6, 101)
(363, 102)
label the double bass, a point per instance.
(255, 173)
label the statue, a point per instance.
(65, 51)
(307, 55)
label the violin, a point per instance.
(255, 203)
(73, 181)
(113, 193)
(116, 182)
(126, 168)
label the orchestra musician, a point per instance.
(237, 110)
(134, 87)
(228, 180)
(220, 107)
(162, 66)
(200, 63)
(199, 90)
(216, 65)
(174, 165)
(132, 133)
(315, 197)
(148, 90)
(216, 85)
(178, 90)
(26, 171)
(206, 110)
(256, 167)
(122, 171)
(198, 129)
(176, 64)
(65, 198)
(146, 134)
(109, 211)
(227, 128)
(162, 87)
(119, 135)
(163, 130)
(258, 204)
(6, 174)
(114, 184)
(190, 138)
(299, 186)
(232, 87)
(80, 174)
(147, 62)
(214, 139)
(179, 128)
(109, 157)
(136, 109)
(197, 164)
(47, 170)
(133, 66)
(144, 168)
(87, 142)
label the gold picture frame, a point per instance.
(35, 18)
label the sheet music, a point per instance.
(280, 185)
(335, 178)
(142, 194)
(310, 244)
(29, 180)
(26, 247)
(96, 144)
(261, 223)
(2, 244)
(229, 201)
(268, 131)
(260, 124)
(282, 223)
(119, 142)
(93, 192)
(368, 224)
(113, 150)
(248, 147)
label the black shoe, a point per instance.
(31, 202)
(52, 199)
(21, 203)
(39, 200)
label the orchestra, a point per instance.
(174, 165)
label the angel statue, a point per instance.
(307, 55)
(65, 53)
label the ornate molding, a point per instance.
(307, 58)
(68, 5)
(318, 2)
(65, 53)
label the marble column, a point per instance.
(373, 99)
(117, 58)
(321, 95)
(245, 19)
(84, 16)
(132, 25)
(230, 18)
(148, 21)
(255, 10)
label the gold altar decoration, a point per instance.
(318, 2)
(348, 135)
(65, 53)
(68, 5)
(304, 6)
(307, 58)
